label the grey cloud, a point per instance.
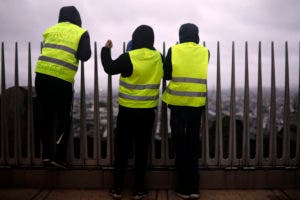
(273, 15)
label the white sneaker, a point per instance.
(194, 196)
(115, 193)
(183, 196)
(58, 165)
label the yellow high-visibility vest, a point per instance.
(59, 51)
(189, 76)
(141, 89)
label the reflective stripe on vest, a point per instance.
(61, 47)
(189, 76)
(189, 80)
(59, 51)
(59, 62)
(138, 98)
(186, 94)
(141, 89)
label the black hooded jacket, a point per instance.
(71, 14)
(187, 33)
(142, 37)
(68, 14)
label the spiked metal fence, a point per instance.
(19, 144)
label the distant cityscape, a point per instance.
(225, 101)
(225, 98)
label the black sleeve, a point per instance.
(121, 65)
(208, 55)
(84, 47)
(168, 66)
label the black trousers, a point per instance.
(55, 100)
(185, 127)
(134, 127)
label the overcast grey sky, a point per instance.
(218, 20)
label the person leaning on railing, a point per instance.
(64, 45)
(141, 71)
(186, 67)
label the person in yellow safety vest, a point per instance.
(141, 70)
(186, 66)
(64, 45)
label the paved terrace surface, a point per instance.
(82, 194)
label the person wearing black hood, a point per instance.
(64, 45)
(186, 67)
(141, 71)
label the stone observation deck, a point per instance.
(92, 194)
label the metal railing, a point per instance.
(224, 144)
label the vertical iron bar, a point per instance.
(71, 138)
(17, 142)
(219, 135)
(163, 130)
(124, 47)
(83, 136)
(164, 123)
(30, 134)
(204, 124)
(259, 113)
(3, 85)
(286, 118)
(4, 140)
(130, 161)
(205, 134)
(16, 66)
(246, 111)
(298, 118)
(96, 138)
(110, 136)
(232, 128)
(41, 47)
(273, 131)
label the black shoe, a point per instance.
(139, 195)
(195, 196)
(182, 194)
(58, 164)
(116, 193)
(46, 162)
